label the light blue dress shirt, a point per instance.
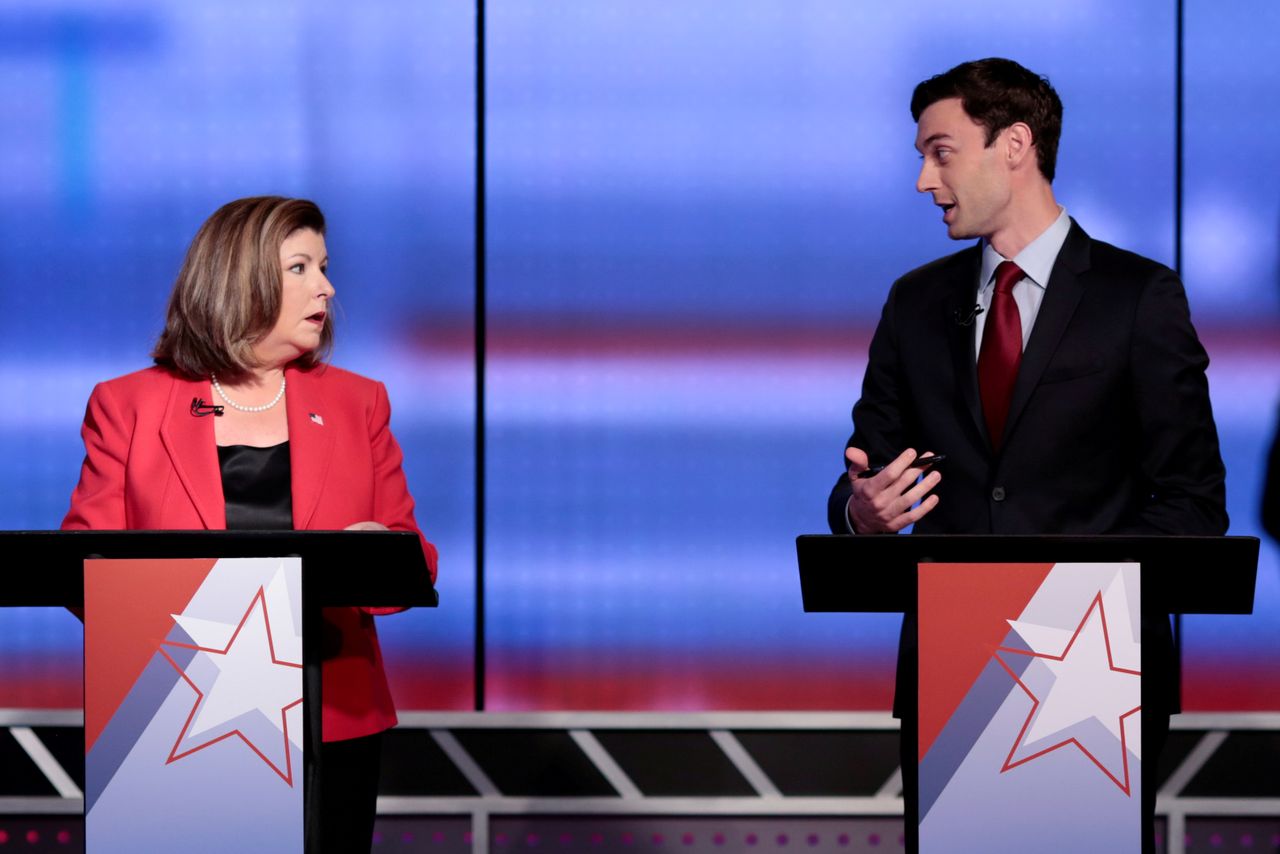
(1036, 260)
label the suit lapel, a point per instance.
(192, 449)
(310, 441)
(1061, 297)
(959, 306)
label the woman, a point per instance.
(295, 443)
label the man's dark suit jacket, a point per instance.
(1109, 431)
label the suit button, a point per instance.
(997, 494)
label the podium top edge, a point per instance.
(947, 548)
(267, 534)
(401, 577)
(1066, 538)
(828, 585)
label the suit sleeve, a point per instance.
(878, 416)
(1271, 489)
(1180, 463)
(98, 499)
(393, 506)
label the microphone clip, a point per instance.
(200, 409)
(966, 318)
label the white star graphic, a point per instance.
(250, 677)
(1085, 685)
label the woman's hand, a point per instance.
(368, 526)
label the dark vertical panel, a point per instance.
(480, 325)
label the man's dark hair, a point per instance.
(996, 93)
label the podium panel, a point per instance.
(194, 733)
(1029, 728)
(1030, 688)
(193, 704)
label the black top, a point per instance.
(257, 490)
(256, 487)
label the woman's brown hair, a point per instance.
(227, 294)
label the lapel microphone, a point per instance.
(200, 409)
(960, 317)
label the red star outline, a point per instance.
(174, 755)
(1009, 764)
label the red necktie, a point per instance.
(1001, 351)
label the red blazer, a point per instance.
(149, 464)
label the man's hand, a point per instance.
(882, 504)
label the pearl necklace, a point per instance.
(222, 394)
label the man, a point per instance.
(1066, 390)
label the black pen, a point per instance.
(921, 462)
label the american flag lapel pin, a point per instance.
(316, 418)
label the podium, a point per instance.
(202, 654)
(1030, 659)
